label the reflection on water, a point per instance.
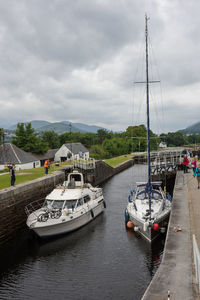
(102, 260)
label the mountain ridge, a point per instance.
(60, 127)
(193, 129)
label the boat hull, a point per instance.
(64, 227)
(149, 233)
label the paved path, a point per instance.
(193, 195)
(176, 270)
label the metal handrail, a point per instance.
(196, 255)
(31, 207)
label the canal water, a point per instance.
(102, 260)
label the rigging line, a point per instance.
(139, 60)
(158, 76)
(155, 110)
(139, 113)
(153, 103)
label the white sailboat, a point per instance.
(148, 208)
(68, 207)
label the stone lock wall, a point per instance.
(103, 171)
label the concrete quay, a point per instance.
(176, 272)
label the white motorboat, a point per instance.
(68, 207)
(148, 208)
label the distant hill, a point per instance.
(193, 129)
(35, 124)
(61, 127)
(85, 127)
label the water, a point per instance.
(102, 260)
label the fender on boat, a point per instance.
(92, 213)
(126, 214)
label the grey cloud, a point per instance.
(76, 60)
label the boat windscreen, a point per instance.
(58, 204)
(48, 203)
(141, 195)
(70, 203)
(154, 195)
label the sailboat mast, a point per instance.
(148, 121)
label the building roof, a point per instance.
(76, 148)
(11, 154)
(50, 154)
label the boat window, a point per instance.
(156, 195)
(80, 202)
(48, 203)
(58, 204)
(86, 198)
(70, 203)
(76, 177)
(141, 195)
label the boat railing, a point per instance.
(33, 206)
(84, 164)
(196, 257)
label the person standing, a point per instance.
(46, 166)
(197, 174)
(194, 165)
(12, 175)
(185, 164)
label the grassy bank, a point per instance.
(113, 162)
(27, 175)
(31, 174)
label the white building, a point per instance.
(11, 154)
(162, 145)
(73, 151)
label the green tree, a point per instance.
(20, 139)
(51, 138)
(1, 135)
(136, 131)
(103, 134)
(176, 139)
(116, 146)
(26, 139)
(98, 152)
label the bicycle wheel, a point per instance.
(43, 217)
(58, 213)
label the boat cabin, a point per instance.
(67, 204)
(75, 179)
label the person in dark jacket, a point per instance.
(12, 175)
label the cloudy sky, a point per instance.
(77, 61)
